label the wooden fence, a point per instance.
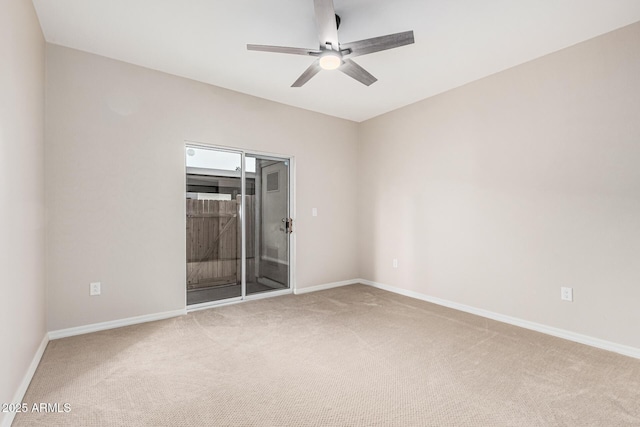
(214, 242)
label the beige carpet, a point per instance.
(352, 356)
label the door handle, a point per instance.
(288, 225)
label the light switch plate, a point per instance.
(94, 288)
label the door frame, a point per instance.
(292, 214)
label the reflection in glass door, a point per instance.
(268, 225)
(216, 268)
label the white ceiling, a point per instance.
(457, 41)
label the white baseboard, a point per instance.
(24, 385)
(549, 330)
(95, 327)
(326, 286)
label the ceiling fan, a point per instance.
(332, 55)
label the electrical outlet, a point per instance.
(94, 288)
(566, 294)
(395, 263)
(314, 212)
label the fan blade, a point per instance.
(377, 44)
(326, 22)
(282, 49)
(351, 69)
(308, 73)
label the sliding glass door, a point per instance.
(214, 228)
(268, 225)
(238, 225)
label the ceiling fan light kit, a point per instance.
(330, 60)
(332, 55)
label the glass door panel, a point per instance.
(214, 233)
(267, 223)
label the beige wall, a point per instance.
(22, 292)
(115, 183)
(498, 193)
